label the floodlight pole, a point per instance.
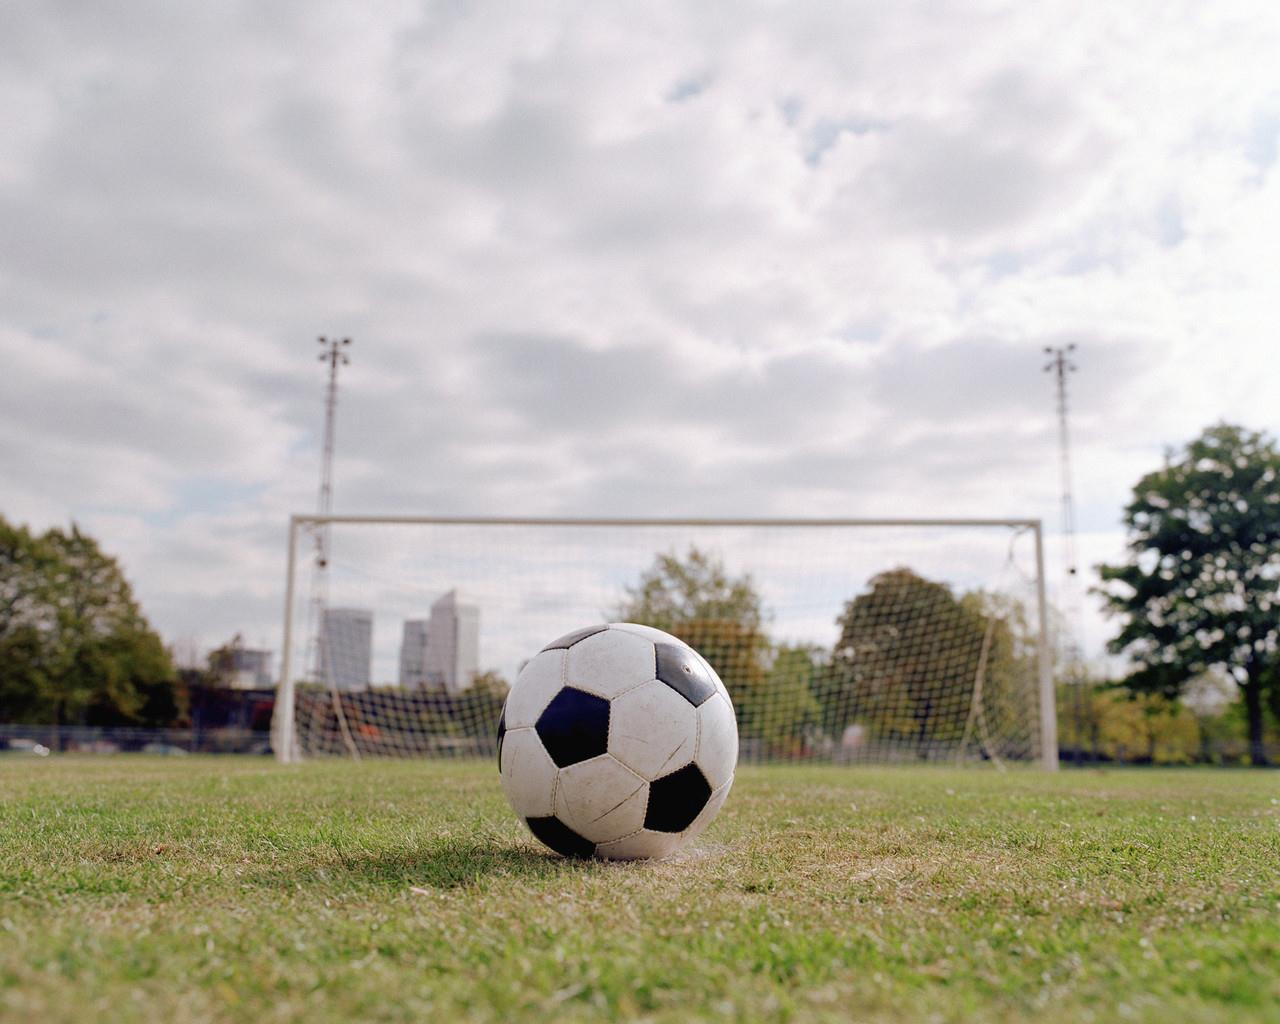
(282, 718)
(335, 355)
(1060, 365)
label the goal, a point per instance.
(840, 640)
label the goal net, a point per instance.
(839, 641)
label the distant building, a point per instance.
(453, 643)
(250, 669)
(413, 654)
(346, 648)
(233, 666)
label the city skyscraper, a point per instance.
(413, 654)
(346, 648)
(453, 643)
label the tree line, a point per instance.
(75, 648)
(902, 672)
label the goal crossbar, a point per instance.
(314, 519)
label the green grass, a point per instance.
(238, 890)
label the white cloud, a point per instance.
(649, 258)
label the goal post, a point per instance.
(841, 640)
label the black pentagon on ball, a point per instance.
(574, 727)
(569, 639)
(560, 837)
(684, 673)
(676, 799)
(502, 732)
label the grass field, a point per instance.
(238, 890)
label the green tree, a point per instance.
(1198, 590)
(792, 709)
(25, 689)
(78, 646)
(909, 656)
(674, 591)
(27, 620)
(1116, 725)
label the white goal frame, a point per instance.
(283, 737)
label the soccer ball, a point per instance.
(617, 741)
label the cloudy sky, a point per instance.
(740, 259)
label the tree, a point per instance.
(697, 588)
(1119, 726)
(74, 646)
(26, 620)
(24, 685)
(1198, 591)
(909, 656)
(792, 709)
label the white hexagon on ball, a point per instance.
(601, 799)
(617, 741)
(610, 662)
(652, 728)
